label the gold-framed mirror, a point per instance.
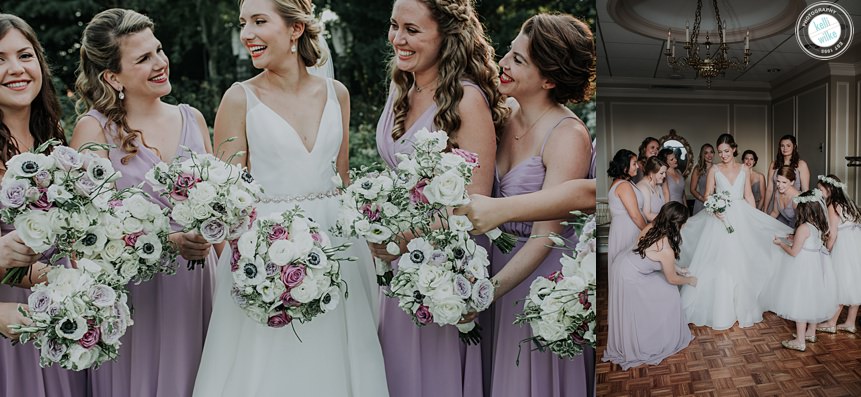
(679, 145)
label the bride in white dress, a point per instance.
(732, 268)
(293, 126)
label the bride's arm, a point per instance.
(230, 123)
(342, 164)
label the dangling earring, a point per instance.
(121, 95)
(293, 48)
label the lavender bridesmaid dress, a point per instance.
(20, 374)
(538, 373)
(701, 187)
(677, 189)
(645, 320)
(430, 361)
(656, 200)
(623, 230)
(160, 353)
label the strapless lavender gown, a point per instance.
(539, 373)
(160, 353)
(20, 374)
(430, 361)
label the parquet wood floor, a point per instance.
(736, 362)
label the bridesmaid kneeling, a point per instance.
(645, 317)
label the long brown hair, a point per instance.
(793, 159)
(812, 212)
(667, 224)
(465, 54)
(837, 197)
(100, 52)
(45, 108)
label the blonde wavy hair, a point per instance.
(302, 11)
(100, 52)
(465, 53)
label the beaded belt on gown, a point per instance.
(299, 197)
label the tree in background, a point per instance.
(199, 36)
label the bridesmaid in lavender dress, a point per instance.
(648, 148)
(698, 177)
(543, 144)
(645, 320)
(785, 190)
(34, 105)
(461, 99)
(122, 77)
(675, 180)
(757, 179)
(652, 185)
(787, 154)
(626, 204)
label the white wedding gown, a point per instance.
(731, 268)
(339, 353)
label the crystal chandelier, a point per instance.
(707, 66)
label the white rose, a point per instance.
(202, 192)
(113, 250)
(390, 210)
(182, 214)
(34, 229)
(305, 292)
(451, 161)
(362, 227)
(81, 357)
(282, 252)
(200, 210)
(132, 225)
(549, 330)
(247, 244)
(431, 278)
(436, 140)
(129, 270)
(240, 198)
(448, 310)
(219, 173)
(447, 189)
(139, 207)
(112, 226)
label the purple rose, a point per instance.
(183, 183)
(437, 257)
(42, 178)
(39, 301)
(102, 295)
(42, 203)
(67, 158)
(462, 287)
(423, 315)
(53, 350)
(14, 193)
(279, 320)
(292, 275)
(470, 157)
(369, 213)
(84, 185)
(131, 239)
(90, 338)
(287, 300)
(482, 294)
(277, 232)
(417, 194)
(213, 230)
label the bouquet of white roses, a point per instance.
(371, 209)
(132, 237)
(717, 203)
(286, 270)
(437, 179)
(77, 320)
(209, 196)
(559, 308)
(442, 277)
(54, 200)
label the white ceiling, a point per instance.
(624, 55)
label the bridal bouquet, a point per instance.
(717, 203)
(442, 277)
(437, 179)
(55, 200)
(132, 237)
(209, 196)
(559, 308)
(77, 320)
(371, 209)
(284, 269)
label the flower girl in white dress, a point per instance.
(803, 289)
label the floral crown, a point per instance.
(815, 197)
(832, 182)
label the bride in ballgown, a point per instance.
(732, 268)
(293, 126)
